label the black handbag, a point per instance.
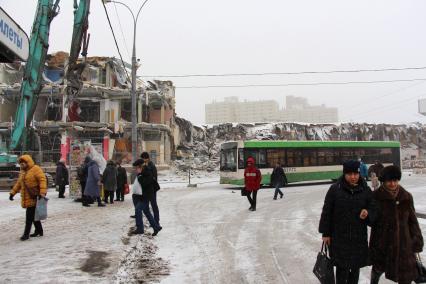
(421, 270)
(244, 192)
(323, 268)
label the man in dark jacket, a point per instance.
(278, 179)
(145, 180)
(395, 236)
(61, 177)
(348, 208)
(121, 182)
(151, 166)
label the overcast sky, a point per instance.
(246, 36)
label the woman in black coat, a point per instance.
(395, 236)
(348, 209)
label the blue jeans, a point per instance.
(143, 206)
(277, 190)
(154, 206)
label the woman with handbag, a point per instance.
(348, 209)
(395, 236)
(32, 183)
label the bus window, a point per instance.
(309, 158)
(346, 154)
(259, 155)
(294, 158)
(274, 156)
(228, 160)
(241, 161)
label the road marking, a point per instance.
(279, 267)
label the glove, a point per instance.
(10, 197)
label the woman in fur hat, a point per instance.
(395, 235)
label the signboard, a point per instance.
(14, 43)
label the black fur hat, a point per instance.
(390, 173)
(351, 166)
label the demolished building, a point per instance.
(99, 115)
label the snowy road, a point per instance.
(209, 236)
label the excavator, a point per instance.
(23, 135)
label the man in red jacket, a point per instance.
(252, 179)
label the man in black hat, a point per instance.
(348, 209)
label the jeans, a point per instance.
(143, 206)
(277, 190)
(155, 210)
(347, 275)
(252, 200)
(29, 220)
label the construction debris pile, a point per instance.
(201, 144)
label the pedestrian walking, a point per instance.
(252, 180)
(363, 169)
(348, 209)
(151, 166)
(61, 177)
(82, 173)
(374, 181)
(32, 184)
(121, 182)
(109, 180)
(395, 235)
(375, 168)
(278, 179)
(142, 194)
(93, 183)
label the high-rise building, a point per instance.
(297, 110)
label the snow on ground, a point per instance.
(208, 236)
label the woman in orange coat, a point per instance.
(31, 183)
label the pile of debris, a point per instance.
(200, 146)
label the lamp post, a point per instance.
(133, 90)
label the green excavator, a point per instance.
(21, 138)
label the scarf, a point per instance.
(393, 193)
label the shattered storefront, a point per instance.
(99, 115)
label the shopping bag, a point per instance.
(244, 192)
(323, 268)
(41, 209)
(126, 189)
(421, 270)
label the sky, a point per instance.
(281, 36)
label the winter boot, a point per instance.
(375, 276)
(24, 237)
(36, 234)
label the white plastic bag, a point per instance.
(41, 209)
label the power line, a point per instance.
(301, 84)
(287, 73)
(121, 29)
(115, 40)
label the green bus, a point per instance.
(302, 161)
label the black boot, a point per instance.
(375, 276)
(100, 202)
(36, 234)
(24, 237)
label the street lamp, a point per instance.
(133, 91)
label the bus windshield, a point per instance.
(228, 160)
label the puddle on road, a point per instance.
(96, 263)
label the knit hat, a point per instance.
(351, 166)
(390, 173)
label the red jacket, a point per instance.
(252, 178)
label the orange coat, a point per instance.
(32, 177)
